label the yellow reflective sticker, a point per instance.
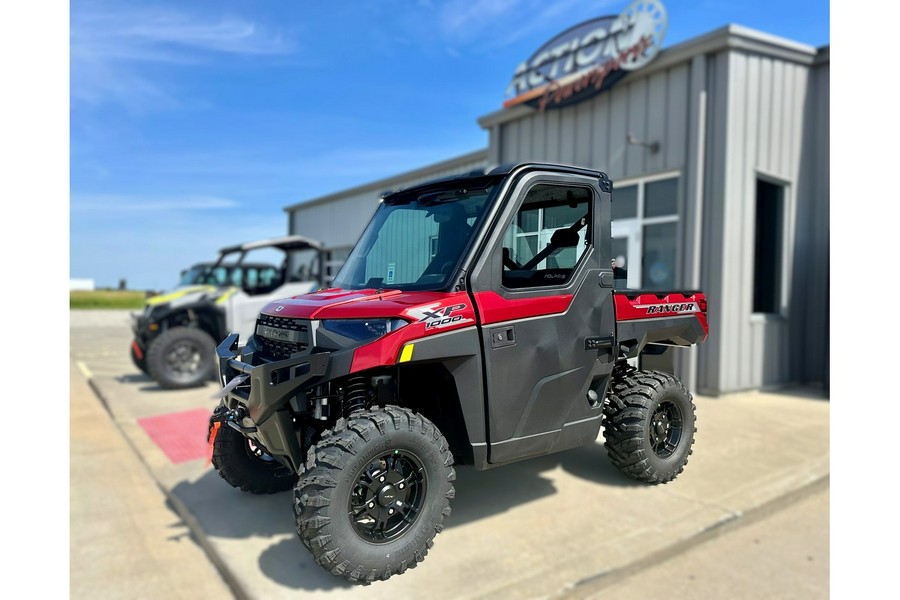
(179, 294)
(224, 297)
(406, 354)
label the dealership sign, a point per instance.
(589, 58)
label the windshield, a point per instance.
(249, 276)
(415, 242)
(204, 274)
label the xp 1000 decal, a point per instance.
(436, 316)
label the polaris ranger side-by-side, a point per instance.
(475, 322)
(175, 336)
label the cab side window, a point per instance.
(548, 236)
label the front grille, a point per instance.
(289, 337)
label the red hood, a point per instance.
(428, 313)
(336, 303)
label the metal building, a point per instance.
(718, 148)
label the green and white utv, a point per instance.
(176, 334)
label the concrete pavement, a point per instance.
(552, 526)
(125, 539)
(782, 555)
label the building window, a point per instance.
(644, 230)
(548, 237)
(768, 241)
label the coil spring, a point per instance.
(356, 394)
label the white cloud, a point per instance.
(124, 203)
(110, 47)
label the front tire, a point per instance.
(181, 357)
(246, 466)
(373, 494)
(648, 423)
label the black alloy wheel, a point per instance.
(666, 425)
(387, 497)
(648, 424)
(374, 492)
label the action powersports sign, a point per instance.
(588, 58)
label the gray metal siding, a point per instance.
(812, 307)
(713, 261)
(593, 133)
(767, 121)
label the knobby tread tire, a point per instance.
(626, 425)
(156, 360)
(322, 493)
(235, 465)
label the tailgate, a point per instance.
(652, 317)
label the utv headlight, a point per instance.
(362, 330)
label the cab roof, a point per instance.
(286, 243)
(483, 177)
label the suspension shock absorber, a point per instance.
(356, 394)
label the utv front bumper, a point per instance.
(254, 403)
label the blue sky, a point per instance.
(194, 123)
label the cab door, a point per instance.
(543, 291)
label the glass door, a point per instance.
(626, 249)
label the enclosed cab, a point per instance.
(176, 334)
(475, 322)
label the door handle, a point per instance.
(503, 336)
(606, 279)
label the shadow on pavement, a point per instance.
(225, 512)
(154, 387)
(133, 378)
(287, 562)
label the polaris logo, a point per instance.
(271, 332)
(284, 335)
(655, 309)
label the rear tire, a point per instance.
(648, 423)
(248, 467)
(181, 357)
(373, 494)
